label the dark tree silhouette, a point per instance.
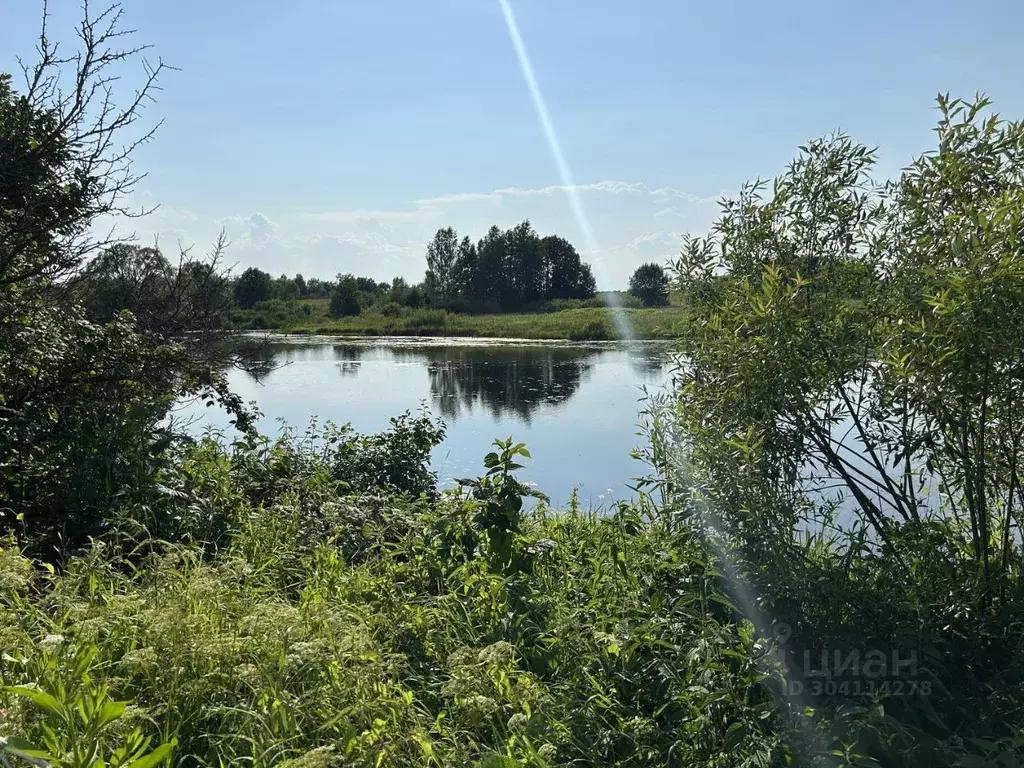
(650, 284)
(253, 286)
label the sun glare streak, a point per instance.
(741, 591)
(619, 316)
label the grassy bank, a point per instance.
(321, 605)
(310, 615)
(585, 324)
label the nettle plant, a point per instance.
(500, 496)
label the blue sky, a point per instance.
(330, 137)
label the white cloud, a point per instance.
(362, 216)
(261, 229)
(656, 239)
(610, 187)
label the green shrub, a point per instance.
(345, 299)
(427, 320)
(442, 634)
(392, 309)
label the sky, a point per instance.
(332, 137)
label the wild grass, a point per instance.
(314, 601)
(385, 639)
(578, 324)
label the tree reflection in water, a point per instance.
(503, 380)
(348, 357)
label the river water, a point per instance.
(575, 406)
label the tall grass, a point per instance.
(313, 601)
(578, 323)
(387, 640)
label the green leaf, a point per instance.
(41, 699)
(735, 735)
(110, 712)
(155, 757)
(22, 748)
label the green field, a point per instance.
(588, 324)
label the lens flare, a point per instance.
(740, 590)
(619, 315)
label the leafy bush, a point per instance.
(391, 309)
(345, 299)
(650, 284)
(847, 417)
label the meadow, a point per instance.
(577, 324)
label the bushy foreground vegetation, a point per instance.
(313, 602)
(307, 618)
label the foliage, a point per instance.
(79, 722)
(402, 640)
(839, 460)
(252, 287)
(171, 302)
(501, 496)
(508, 269)
(67, 150)
(80, 409)
(441, 258)
(80, 403)
(567, 276)
(345, 298)
(649, 283)
(847, 407)
(189, 303)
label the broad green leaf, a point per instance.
(154, 758)
(41, 699)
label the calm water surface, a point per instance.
(576, 407)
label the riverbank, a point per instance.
(586, 324)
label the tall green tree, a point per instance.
(442, 254)
(491, 266)
(345, 299)
(126, 276)
(649, 283)
(512, 268)
(188, 302)
(525, 266)
(467, 278)
(874, 333)
(81, 403)
(253, 286)
(566, 276)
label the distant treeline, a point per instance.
(514, 270)
(504, 271)
(509, 270)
